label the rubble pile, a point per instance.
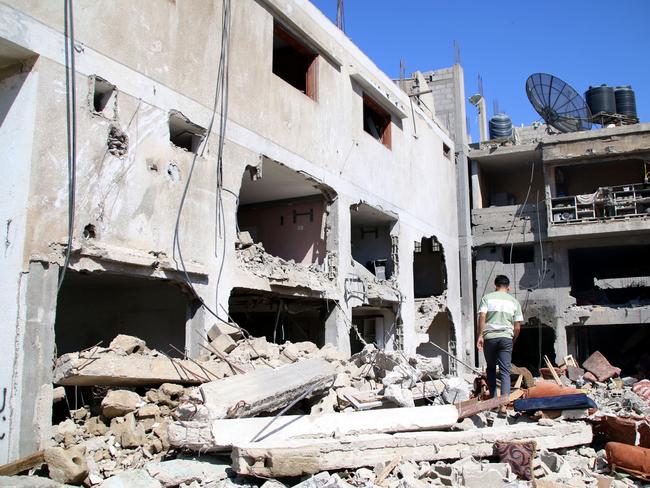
(296, 415)
(252, 257)
(123, 431)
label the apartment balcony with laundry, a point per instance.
(598, 198)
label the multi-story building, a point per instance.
(191, 135)
(567, 218)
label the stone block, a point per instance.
(67, 465)
(119, 402)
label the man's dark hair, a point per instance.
(501, 281)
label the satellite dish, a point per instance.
(559, 105)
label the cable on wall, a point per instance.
(71, 125)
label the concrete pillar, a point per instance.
(337, 330)
(37, 352)
(562, 298)
(466, 350)
(337, 324)
(477, 196)
(18, 99)
(560, 346)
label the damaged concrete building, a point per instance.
(252, 164)
(567, 218)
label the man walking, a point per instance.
(499, 324)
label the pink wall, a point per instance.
(272, 225)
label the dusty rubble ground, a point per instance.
(119, 436)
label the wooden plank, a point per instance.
(466, 409)
(387, 470)
(518, 382)
(23, 464)
(553, 372)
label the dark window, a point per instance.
(102, 93)
(446, 150)
(376, 121)
(183, 133)
(520, 254)
(294, 62)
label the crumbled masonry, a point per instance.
(292, 410)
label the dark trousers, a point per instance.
(498, 352)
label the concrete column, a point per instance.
(18, 99)
(561, 298)
(37, 353)
(466, 350)
(477, 196)
(337, 324)
(337, 331)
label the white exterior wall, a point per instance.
(163, 56)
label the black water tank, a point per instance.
(601, 99)
(625, 100)
(500, 126)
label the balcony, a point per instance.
(609, 209)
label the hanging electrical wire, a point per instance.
(71, 124)
(512, 225)
(221, 105)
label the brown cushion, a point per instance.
(519, 455)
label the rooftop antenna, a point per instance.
(456, 52)
(558, 103)
(495, 106)
(340, 14)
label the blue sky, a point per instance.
(584, 42)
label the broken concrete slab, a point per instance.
(177, 471)
(137, 478)
(226, 432)
(191, 435)
(30, 482)
(110, 369)
(265, 390)
(220, 328)
(307, 456)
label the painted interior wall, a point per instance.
(368, 246)
(272, 224)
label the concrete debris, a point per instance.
(118, 142)
(136, 478)
(298, 457)
(265, 390)
(106, 367)
(280, 271)
(67, 465)
(227, 432)
(177, 471)
(347, 416)
(119, 402)
(126, 344)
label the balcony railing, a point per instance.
(610, 202)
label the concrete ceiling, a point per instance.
(364, 214)
(277, 183)
(11, 53)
